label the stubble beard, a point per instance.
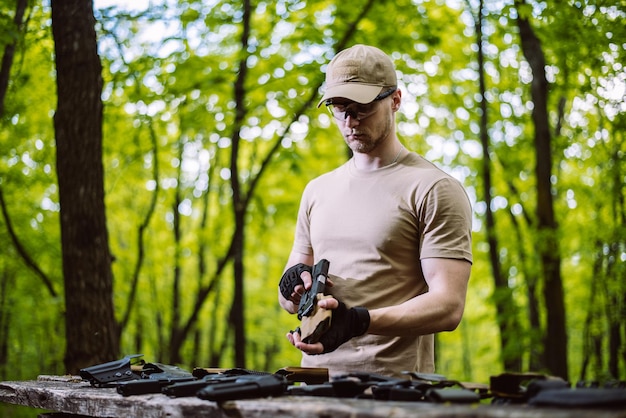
(364, 142)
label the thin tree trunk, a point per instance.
(237, 313)
(503, 296)
(555, 342)
(141, 232)
(9, 52)
(175, 355)
(5, 75)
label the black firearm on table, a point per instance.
(154, 377)
(237, 383)
(225, 386)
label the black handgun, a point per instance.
(182, 389)
(350, 385)
(154, 377)
(315, 322)
(309, 298)
(206, 377)
(245, 387)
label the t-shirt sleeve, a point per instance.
(446, 222)
(302, 239)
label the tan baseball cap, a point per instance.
(359, 73)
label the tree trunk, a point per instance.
(9, 52)
(175, 355)
(555, 342)
(237, 312)
(92, 334)
(503, 297)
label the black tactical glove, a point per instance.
(291, 278)
(345, 324)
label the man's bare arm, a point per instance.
(439, 309)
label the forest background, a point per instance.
(209, 134)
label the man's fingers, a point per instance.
(295, 338)
(298, 290)
(316, 348)
(307, 279)
(328, 303)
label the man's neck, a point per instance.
(375, 160)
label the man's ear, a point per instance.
(397, 99)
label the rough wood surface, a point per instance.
(72, 396)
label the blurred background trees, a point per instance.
(210, 133)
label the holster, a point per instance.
(106, 374)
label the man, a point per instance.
(395, 229)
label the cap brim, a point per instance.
(357, 92)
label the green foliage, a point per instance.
(169, 76)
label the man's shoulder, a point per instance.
(329, 176)
(424, 171)
(416, 161)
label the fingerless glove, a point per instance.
(345, 325)
(291, 278)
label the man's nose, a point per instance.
(351, 120)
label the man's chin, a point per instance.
(360, 148)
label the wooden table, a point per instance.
(70, 395)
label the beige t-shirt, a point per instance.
(374, 227)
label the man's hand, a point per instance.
(292, 284)
(346, 324)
